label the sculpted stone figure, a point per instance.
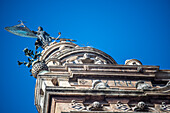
(142, 85)
(98, 84)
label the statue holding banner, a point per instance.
(43, 41)
(43, 38)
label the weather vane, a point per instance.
(43, 40)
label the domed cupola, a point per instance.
(69, 53)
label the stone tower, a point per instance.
(74, 79)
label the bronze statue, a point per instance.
(43, 38)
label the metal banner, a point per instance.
(21, 30)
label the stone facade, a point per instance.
(77, 79)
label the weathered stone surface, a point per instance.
(37, 67)
(87, 80)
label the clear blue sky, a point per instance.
(124, 29)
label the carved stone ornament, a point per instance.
(122, 107)
(85, 59)
(98, 84)
(37, 67)
(164, 107)
(142, 107)
(142, 85)
(83, 81)
(133, 62)
(77, 106)
(95, 106)
(99, 61)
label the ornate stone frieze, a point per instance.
(95, 106)
(85, 79)
(85, 59)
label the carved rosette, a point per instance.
(37, 67)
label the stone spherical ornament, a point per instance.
(133, 62)
(37, 67)
(96, 105)
(141, 105)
